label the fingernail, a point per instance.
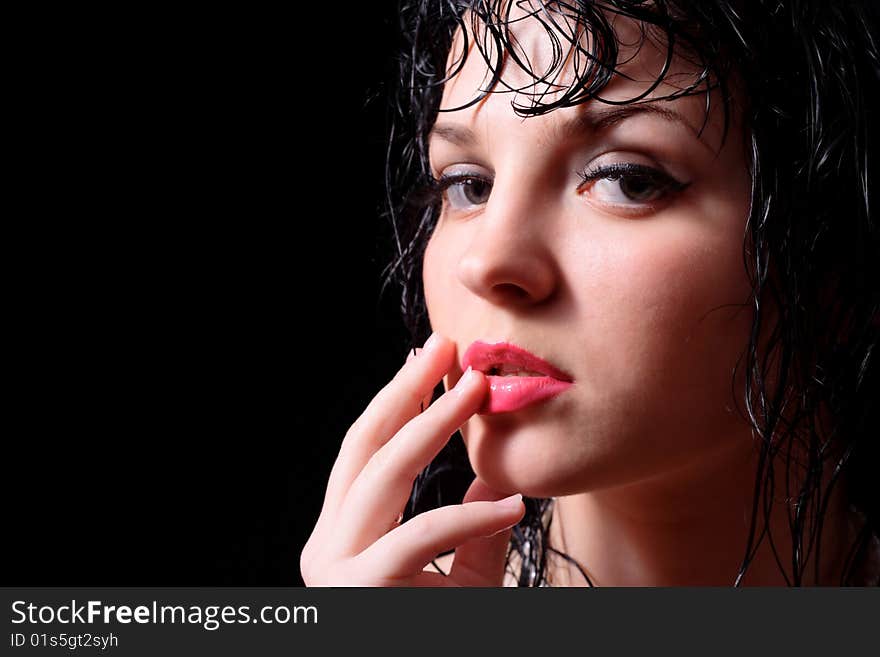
(433, 341)
(512, 502)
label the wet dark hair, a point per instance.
(809, 70)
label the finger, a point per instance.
(382, 489)
(411, 546)
(395, 405)
(482, 559)
(426, 400)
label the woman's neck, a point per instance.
(686, 528)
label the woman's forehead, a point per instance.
(547, 64)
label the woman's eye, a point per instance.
(464, 191)
(629, 184)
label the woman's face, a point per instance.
(633, 285)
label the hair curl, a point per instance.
(808, 69)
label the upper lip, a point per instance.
(484, 355)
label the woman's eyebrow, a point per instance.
(596, 121)
(589, 121)
(453, 133)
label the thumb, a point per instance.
(481, 561)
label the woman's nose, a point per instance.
(509, 258)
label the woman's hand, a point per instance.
(357, 540)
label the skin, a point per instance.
(645, 304)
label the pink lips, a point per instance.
(512, 393)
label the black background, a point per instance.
(194, 264)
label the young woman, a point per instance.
(644, 237)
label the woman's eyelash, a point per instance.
(431, 189)
(630, 170)
(611, 172)
(444, 182)
(436, 187)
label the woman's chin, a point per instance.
(524, 461)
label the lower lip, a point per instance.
(512, 393)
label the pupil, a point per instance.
(476, 191)
(636, 188)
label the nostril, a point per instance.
(510, 290)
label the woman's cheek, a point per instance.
(430, 283)
(443, 293)
(666, 290)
